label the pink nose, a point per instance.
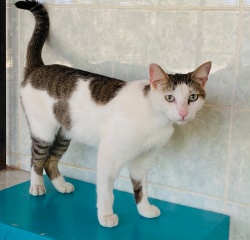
(183, 113)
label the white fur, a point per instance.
(36, 184)
(129, 130)
(62, 186)
(39, 111)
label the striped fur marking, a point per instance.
(39, 154)
(104, 89)
(137, 187)
(59, 147)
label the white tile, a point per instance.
(13, 160)
(78, 173)
(185, 198)
(83, 41)
(227, 3)
(239, 222)
(80, 155)
(25, 163)
(242, 95)
(12, 44)
(163, 37)
(239, 178)
(12, 118)
(247, 2)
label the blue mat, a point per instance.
(73, 217)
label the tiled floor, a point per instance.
(12, 177)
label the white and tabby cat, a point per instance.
(128, 121)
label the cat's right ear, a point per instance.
(157, 75)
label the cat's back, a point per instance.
(58, 81)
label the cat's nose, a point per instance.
(183, 113)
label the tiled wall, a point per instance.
(206, 164)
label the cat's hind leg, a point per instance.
(39, 155)
(138, 169)
(58, 148)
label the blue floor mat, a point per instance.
(73, 217)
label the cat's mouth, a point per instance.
(181, 122)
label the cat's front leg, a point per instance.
(107, 172)
(144, 208)
(139, 176)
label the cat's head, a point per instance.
(179, 96)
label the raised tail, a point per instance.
(40, 33)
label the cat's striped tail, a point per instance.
(40, 33)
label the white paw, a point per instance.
(37, 190)
(148, 211)
(108, 221)
(62, 186)
(65, 187)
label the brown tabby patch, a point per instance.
(59, 81)
(176, 79)
(137, 187)
(59, 147)
(62, 113)
(104, 89)
(51, 167)
(146, 90)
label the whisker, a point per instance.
(200, 113)
(201, 121)
(197, 124)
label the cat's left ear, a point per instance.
(201, 73)
(157, 75)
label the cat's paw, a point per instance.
(108, 221)
(148, 211)
(37, 190)
(65, 187)
(62, 186)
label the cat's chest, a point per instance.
(157, 138)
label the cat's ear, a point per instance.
(157, 75)
(201, 73)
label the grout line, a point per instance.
(227, 107)
(238, 204)
(186, 191)
(16, 154)
(229, 158)
(19, 68)
(148, 8)
(78, 167)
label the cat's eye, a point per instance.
(170, 98)
(193, 97)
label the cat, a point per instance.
(129, 122)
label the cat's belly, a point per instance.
(89, 121)
(85, 134)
